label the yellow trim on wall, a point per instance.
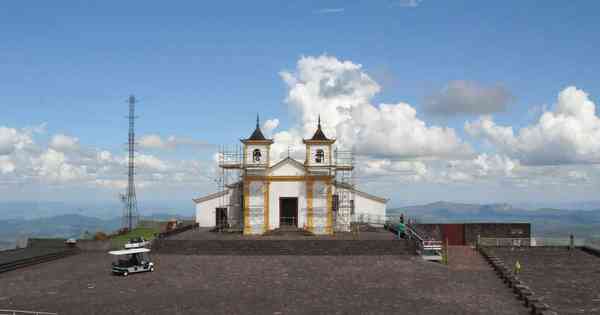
(329, 227)
(307, 160)
(309, 205)
(288, 178)
(266, 206)
(246, 208)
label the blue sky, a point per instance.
(203, 70)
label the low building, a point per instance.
(314, 194)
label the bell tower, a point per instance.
(318, 151)
(256, 149)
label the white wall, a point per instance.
(205, 212)
(368, 207)
(286, 189)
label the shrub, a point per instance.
(100, 236)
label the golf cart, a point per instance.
(131, 261)
(138, 242)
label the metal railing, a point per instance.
(288, 221)
(533, 242)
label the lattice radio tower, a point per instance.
(130, 211)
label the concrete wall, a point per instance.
(46, 242)
(94, 246)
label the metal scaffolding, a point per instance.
(229, 175)
(344, 190)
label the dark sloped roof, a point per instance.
(319, 135)
(257, 134)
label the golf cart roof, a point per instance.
(129, 251)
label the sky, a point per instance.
(464, 101)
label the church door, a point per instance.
(288, 211)
(221, 217)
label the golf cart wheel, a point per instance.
(125, 274)
(151, 269)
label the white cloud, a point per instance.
(341, 93)
(12, 139)
(409, 3)
(62, 142)
(329, 11)
(53, 165)
(150, 162)
(568, 135)
(467, 97)
(269, 126)
(6, 165)
(154, 141)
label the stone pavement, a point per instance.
(212, 284)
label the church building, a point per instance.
(316, 194)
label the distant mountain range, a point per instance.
(545, 221)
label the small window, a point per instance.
(256, 155)
(320, 156)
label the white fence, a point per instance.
(538, 241)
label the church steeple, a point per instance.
(319, 135)
(257, 134)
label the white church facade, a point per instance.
(311, 194)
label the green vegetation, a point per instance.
(146, 232)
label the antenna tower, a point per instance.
(130, 211)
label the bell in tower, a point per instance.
(256, 149)
(318, 150)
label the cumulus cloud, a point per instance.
(6, 165)
(62, 142)
(269, 126)
(341, 93)
(467, 97)
(12, 139)
(570, 134)
(150, 162)
(154, 141)
(54, 165)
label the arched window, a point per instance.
(320, 156)
(256, 155)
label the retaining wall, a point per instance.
(94, 246)
(283, 247)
